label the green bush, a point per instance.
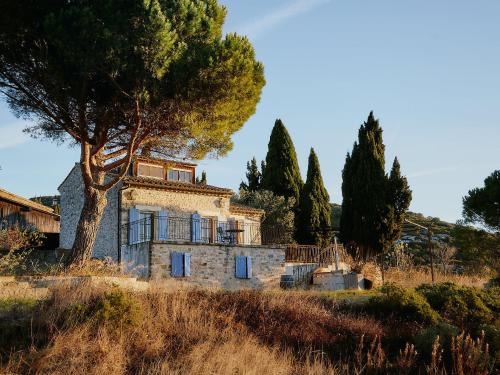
(492, 336)
(463, 306)
(425, 339)
(491, 298)
(405, 304)
(115, 308)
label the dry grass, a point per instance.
(194, 331)
(414, 277)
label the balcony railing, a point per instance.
(198, 230)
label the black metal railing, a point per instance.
(198, 230)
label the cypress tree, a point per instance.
(254, 177)
(364, 192)
(281, 174)
(314, 209)
(398, 198)
(203, 180)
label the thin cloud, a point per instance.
(269, 21)
(12, 135)
(435, 171)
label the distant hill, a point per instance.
(440, 228)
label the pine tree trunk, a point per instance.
(86, 231)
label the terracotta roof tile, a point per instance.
(236, 207)
(174, 185)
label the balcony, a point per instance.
(198, 230)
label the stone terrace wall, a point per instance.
(214, 265)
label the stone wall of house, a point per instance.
(205, 205)
(71, 191)
(214, 265)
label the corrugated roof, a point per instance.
(174, 185)
(4, 194)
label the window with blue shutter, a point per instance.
(181, 264)
(243, 267)
(163, 225)
(195, 228)
(133, 226)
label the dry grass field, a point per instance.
(194, 331)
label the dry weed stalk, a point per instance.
(435, 367)
(470, 356)
(407, 359)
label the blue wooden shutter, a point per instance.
(249, 267)
(163, 225)
(195, 228)
(187, 264)
(241, 267)
(177, 264)
(133, 226)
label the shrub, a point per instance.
(491, 298)
(114, 308)
(405, 304)
(460, 305)
(492, 337)
(425, 339)
(14, 249)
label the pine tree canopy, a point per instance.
(314, 209)
(282, 174)
(482, 205)
(373, 204)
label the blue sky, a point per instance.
(428, 69)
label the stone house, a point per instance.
(160, 223)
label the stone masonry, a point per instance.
(214, 265)
(71, 190)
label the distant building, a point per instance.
(16, 211)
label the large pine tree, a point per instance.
(281, 174)
(314, 209)
(373, 204)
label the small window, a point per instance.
(243, 267)
(148, 170)
(173, 175)
(181, 264)
(179, 175)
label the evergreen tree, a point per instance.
(203, 179)
(399, 198)
(314, 209)
(363, 223)
(482, 205)
(281, 174)
(254, 177)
